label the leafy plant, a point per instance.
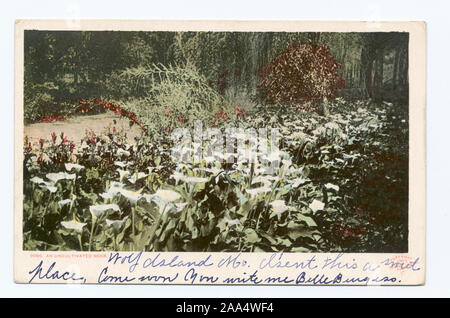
(38, 100)
(174, 97)
(341, 185)
(302, 76)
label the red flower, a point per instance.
(65, 139)
(240, 111)
(53, 136)
(72, 145)
(41, 143)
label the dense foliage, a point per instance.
(341, 185)
(64, 67)
(337, 182)
(170, 97)
(302, 76)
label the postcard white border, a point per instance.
(24, 261)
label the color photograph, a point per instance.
(196, 141)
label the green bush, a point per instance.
(38, 100)
(170, 96)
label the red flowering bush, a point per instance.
(50, 118)
(240, 112)
(302, 76)
(99, 106)
(52, 151)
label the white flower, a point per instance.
(177, 176)
(123, 173)
(55, 177)
(231, 222)
(279, 206)
(256, 191)
(298, 181)
(120, 151)
(259, 169)
(74, 225)
(266, 179)
(274, 156)
(209, 159)
(228, 157)
(50, 187)
(116, 224)
(168, 195)
(287, 162)
(136, 176)
(96, 210)
(332, 186)
(320, 131)
(170, 207)
(162, 199)
(37, 180)
(163, 205)
(179, 206)
(299, 135)
(352, 156)
(332, 125)
(316, 205)
(132, 196)
(150, 169)
(121, 164)
(64, 202)
(115, 184)
(113, 191)
(214, 170)
(195, 179)
(70, 166)
(108, 195)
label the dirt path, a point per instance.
(74, 127)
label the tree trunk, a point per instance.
(379, 74)
(368, 79)
(366, 70)
(395, 69)
(323, 108)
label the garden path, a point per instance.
(74, 127)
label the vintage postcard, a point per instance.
(220, 152)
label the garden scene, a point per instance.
(215, 141)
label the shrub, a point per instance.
(133, 82)
(302, 75)
(38, 100)
(173, 97)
